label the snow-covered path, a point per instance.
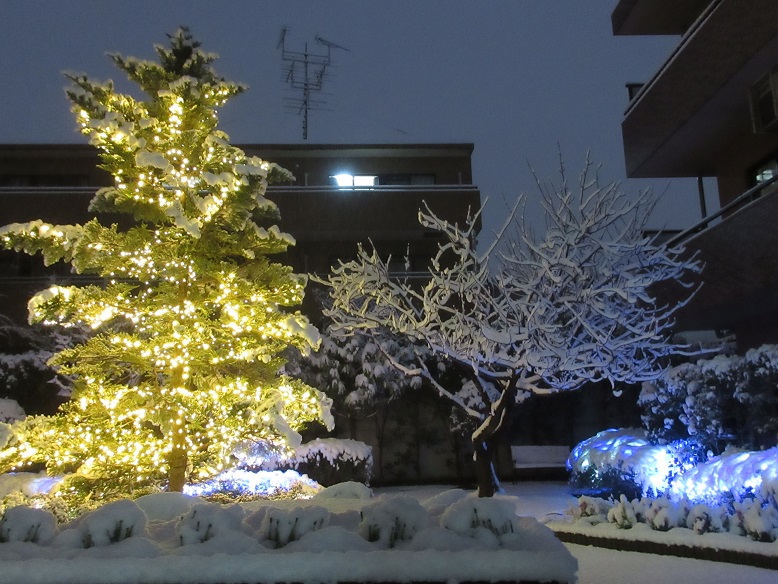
(602, 566)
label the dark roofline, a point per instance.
(465, 147)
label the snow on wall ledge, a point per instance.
(307, 567)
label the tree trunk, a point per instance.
(488, 484)
(178, 459)
(380, 420)
(486, 439)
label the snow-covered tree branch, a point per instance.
(530, 314)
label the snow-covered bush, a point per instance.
(757, 516)
(347, 490)
(239, 483)
(759, 522)
(111, 523)
(207, 520)
(622, 462)
(706, 518)
(591, 507)
(759, 398)
(393, 519)
(356, 372)
(614, 457)
(25, 375)
(471, 515)
(622, 514)
(663, 514)
(719, 402)
(734, 474)
(282, 526)
(10, 411)
(662, 402)
(328, 461)
(754, 516)
(28, 524)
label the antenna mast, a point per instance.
(305, 72)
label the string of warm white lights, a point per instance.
(188, 328)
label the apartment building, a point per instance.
(343, 195)
(711, 110)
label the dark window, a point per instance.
(44, 180)
(406, 179)
(764, 109)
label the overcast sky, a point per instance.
(518, 78)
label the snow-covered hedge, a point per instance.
(624, 461)
(666, 469)
(755, 516)
(159, 531)
(328, 461)
(719, 402)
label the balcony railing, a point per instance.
(637, 93)
(43, 190)
(378, 188)
(739, 203)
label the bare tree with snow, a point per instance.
(528, 315)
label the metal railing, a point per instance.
(741, 201)
(271, 188)
(637, 96)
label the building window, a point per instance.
(407, 179)
(371, 180)
(764, 106)
(764, 171)
(354, 180)
(43, 180)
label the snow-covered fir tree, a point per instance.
(193, 314)
(357, 374)
(528, 315)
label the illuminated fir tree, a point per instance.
(192, 315)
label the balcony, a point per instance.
(690, 117)
(650, 17)
(332, 213)
(739, 247)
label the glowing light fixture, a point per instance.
(355, 180)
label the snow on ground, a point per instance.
(548, 501)
(238, 543)
(601, 566)
(338, 535)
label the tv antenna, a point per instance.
(305, 73)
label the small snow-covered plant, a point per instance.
(112, 523)
(470, 515)
(27, 524)
(282, 526)
(759, 521)
(664, 514)
(207, 520)
(706, 519)
(590, 507)
(391, 520)
(623, 514)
